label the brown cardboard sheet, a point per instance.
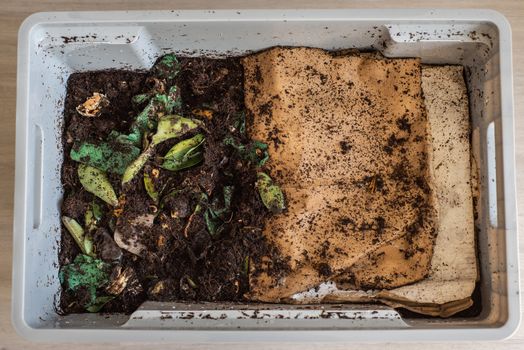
(348, 144)
(373, 155)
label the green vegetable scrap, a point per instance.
(198, 209)
(256, 152)
(174, 100)
(150, 187)
(136, 165)
(184, 154)
(96, 182)
(140, 99)
(104, 157)
(86, 273)
(245, 267)
(271, 194)
(216, 213)
(172, 126)
(159, 105)
(240, 123)
(169, 127)
(84, 242)
(99, 303)
(93, 216)
(167, 68)
(191, 283)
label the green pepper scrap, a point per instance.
(184, 154)
(90, 274)
(271, 194)
(96, 182)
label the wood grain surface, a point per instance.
(12, 13)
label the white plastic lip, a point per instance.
(20, 223)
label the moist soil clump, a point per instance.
(202, 232)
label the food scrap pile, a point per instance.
(165, 193)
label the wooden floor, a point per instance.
(12, 12)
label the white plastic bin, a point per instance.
(51, 46)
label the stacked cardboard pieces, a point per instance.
(371, 216)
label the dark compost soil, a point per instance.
(182, 260)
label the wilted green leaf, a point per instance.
(89, 245)
(140, 99)
(84, 242)
(105, 157)
(215, 215)
(255, 152)
(159, 105)
(168, 127)
(89, 220)
(191, 283)
(228, 195)
(112, 223)
(92, 216)
(150, 187)
(171, 194)
(218, 210)
(240, 123)
(211, 223)
(99, 303)
(96, 182)
(184, 154)
(136, 165)
(245, 268)
(172, 126)
(97, 210)
(271, 194)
